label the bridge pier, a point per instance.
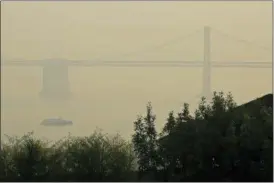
(55, 82)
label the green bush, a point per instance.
(99, 157)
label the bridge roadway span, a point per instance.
(87, 63)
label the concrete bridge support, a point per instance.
(55, 82)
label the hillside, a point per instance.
(254, 106)
(266, 101)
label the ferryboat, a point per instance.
(56, 122)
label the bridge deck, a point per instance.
(86, 63)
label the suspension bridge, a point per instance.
(55, 71)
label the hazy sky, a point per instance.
(111, 98)
(91, 30)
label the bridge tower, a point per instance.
(55, 81)
(207, 65)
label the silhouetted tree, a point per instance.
(221, 142)
(145, 144)
(94, 158)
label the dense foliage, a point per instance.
(220, 142)
(95, 158)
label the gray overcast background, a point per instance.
(111, 98)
